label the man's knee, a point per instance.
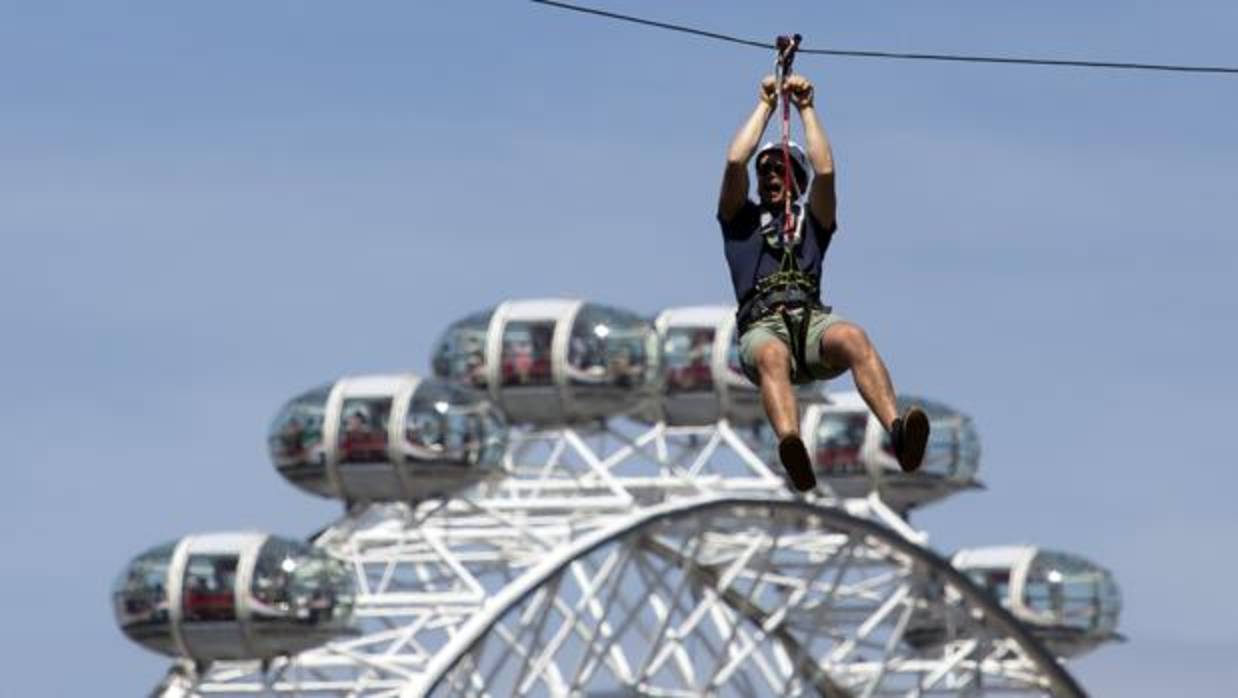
(846, 341)
(773, 359)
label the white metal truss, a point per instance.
(745, 597)
(701, 575)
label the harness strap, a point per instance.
(793, 283)
(763, 302)
(798, 332)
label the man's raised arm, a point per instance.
(735, 177)
(821, 196)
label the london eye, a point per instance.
(578, 501)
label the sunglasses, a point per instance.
(771, 164)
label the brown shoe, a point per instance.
(909, 437)
(794, 456)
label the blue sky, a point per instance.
(206, 208)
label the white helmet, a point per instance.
(799, 163)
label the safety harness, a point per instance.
(789, 287)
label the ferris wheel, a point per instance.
(579, 502)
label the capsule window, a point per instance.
(363, 429)
(427, 435)
(296, 590)
(608, 347)
(1066, 589)
(141, 594)
(941, 453)
(994, 581)
(271, 581)
(953, 449)
(840, 443)
(526, 355)
(436, 428)
(451, 426)
(687, 353)
(209, 588)
(461, 353)
(296, 440)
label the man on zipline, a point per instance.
(774, 248)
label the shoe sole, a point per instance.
(915, 440)
(795, 460)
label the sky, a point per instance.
(206, 208)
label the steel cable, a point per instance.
(895, 55)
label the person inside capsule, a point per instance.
(475, 369)
(625, 370)
(209, 595)
(517, 356)
(540, 336)
(291, 441)
(364, 437)
(774, 248)
(839, 443)
(699, 355)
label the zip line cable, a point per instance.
(894, 55)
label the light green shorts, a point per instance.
(772, 327)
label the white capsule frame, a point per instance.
(1018, 562)
(557, 395)
(237, 637)
(405, 471)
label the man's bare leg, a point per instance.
(845, 345)
(773, 360)
(774, 365)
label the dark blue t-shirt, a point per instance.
(752, 241)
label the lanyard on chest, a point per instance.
(785, 234)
